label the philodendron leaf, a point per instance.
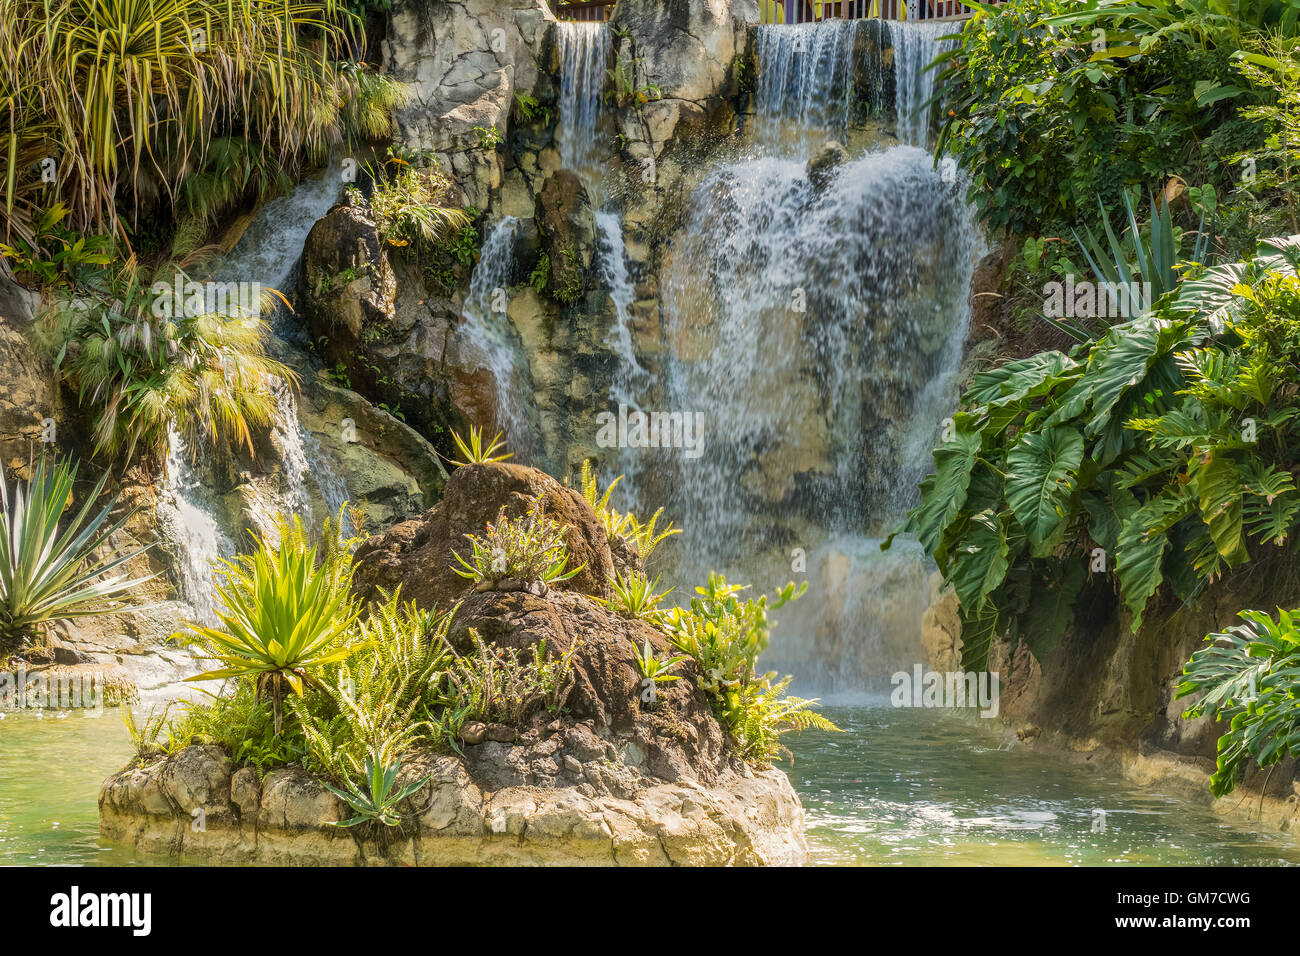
(1138, 562)
(1219, 487)
(1041, 474)
(980, 561)
(946, 491)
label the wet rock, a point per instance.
(822, 166)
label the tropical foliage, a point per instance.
(128, 96)
(51, 569)
(724, 636)
(641, 535)
(205, 372)
(1163, 452)
(285, 610)
(1249, 676)
(1051, 104)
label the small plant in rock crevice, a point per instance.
(514, 554)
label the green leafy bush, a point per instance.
(1250, 676)
(1163, 452)
(724, 636)
(1044, 123)
(139, 374)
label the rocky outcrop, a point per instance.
(418, 554)
(196, 804)
(464, 61)
(600, 771)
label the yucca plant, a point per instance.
(284, 612)
(475, 452)
(377, 798)
(634, 595)
(47, 574)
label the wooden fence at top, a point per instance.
(813, 11)
(800, 11)
(586, 11)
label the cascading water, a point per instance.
(187, 515)
(817, 326)
(266, 254)
(494, 341)
(915, 47)
(584, 52)
(819, 76)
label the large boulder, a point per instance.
(418, 554)
(30, 409)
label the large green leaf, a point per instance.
(945, 492)
(1052, 608)
(1040, 480)
(1015, 381)
(1143, 541)
(1219, 486)
(980, 561)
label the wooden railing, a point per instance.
(812, 11)
(586, 11)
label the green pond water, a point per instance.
(900, 787)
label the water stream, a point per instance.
(584, 53)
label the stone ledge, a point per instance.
(754, 820)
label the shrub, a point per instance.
(618, 524)
(1044, 124)
(409, 203)
(140, 375)
(129, 96)
(518, 553)
(725, 636)
(48, 574)
(502, 684)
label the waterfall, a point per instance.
(494, 342)
(631, 379)
(819, 75)
(302, 455)
(806, 73)
(915, 47)
(187, 516)
(584, 52)
(817, 328)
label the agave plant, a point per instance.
(378, 801)
(475, 452)
(50, 575)
(284, 616)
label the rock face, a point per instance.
(30, 407)
(418, 554)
